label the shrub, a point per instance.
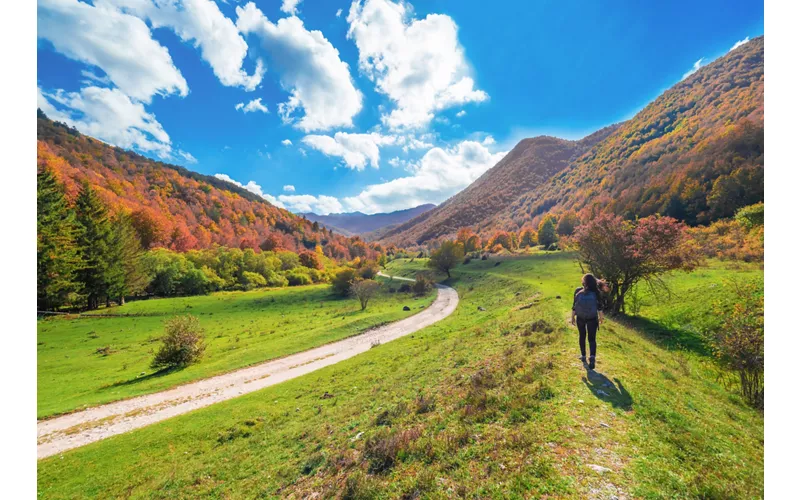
(739, 342)
(422, 285)
(342, 280)
(405, 288)
(298, 276)
(368, 270)
(276, 280)
(751, 216)
(182, 345)
(252, 280)
(310, 260)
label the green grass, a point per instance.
(486, 403)
(242, 328)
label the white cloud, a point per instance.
(321, 205)
(739, 43)
(286, 142)
(288, 188)
(252, 106)
(418, 63)
(111, 116)
(461, 114)
(696, 66)
(290, 6)
(339, 13)
(201, 22)
(187, 157)
(355, 150)
(488, 141)
(253, 187)
(119, 44)
(321, 92)
(438, 175)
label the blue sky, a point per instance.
(371, 105)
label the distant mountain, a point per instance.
(359, 223)
(531, 163)
(177, 208)
(695, 153)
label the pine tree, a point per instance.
(127, 274)
(96, 243)
(57, 253)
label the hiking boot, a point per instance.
(591, 362)
(583, 359)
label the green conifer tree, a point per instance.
(96, 244)
(57, 254)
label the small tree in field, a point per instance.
(739, 342)
(625, 253)
(182, 344)
(547, 231)
(447, 256)
(342, 280)
(364, 290)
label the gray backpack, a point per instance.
(586, 305)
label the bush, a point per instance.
(252, 280)
(422, 285)
(739, 342)
(298, 276)
(182, 345)
(276, 280)
(405, 288)
(751, 216)
(342, 280)
(368, 270)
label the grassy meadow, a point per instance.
(86, 361)
(490, 402)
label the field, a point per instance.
(88, 361)
(490, 402)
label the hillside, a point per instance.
(530, 163)
(695, 153)
(172, 206)
(359, 223)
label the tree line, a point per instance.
(88, 256)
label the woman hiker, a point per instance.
(587, 309)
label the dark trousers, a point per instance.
(588, 326)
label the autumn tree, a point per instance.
(625, 253)
(501, 238)
(567, 223)
(469, 239)
(96, 242)
(364, 291)
(547, 231)
(447, 256)
(57, 253)
(527, 238)
(310, 260)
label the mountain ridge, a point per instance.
(695, 153)
(350, 223)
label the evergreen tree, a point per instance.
(96, 244)
(127, 274)
(57, 254)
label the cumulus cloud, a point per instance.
(119, 44)
(739, 43)
(111, 116)
(288, 188)
(418, 63)
(286, 142)
(201, 22)
(438, 175)
(696, 66)
(253, 187)
(252, 106)
(461, 113)
(355, 150)
(290, 6)
(321, 205)
(321, 91)
(339, 13)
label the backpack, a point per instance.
(586, 305)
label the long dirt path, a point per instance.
(63, 433)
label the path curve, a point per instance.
(69, 431)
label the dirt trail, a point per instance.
(63, 433)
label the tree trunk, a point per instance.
(122, 300)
